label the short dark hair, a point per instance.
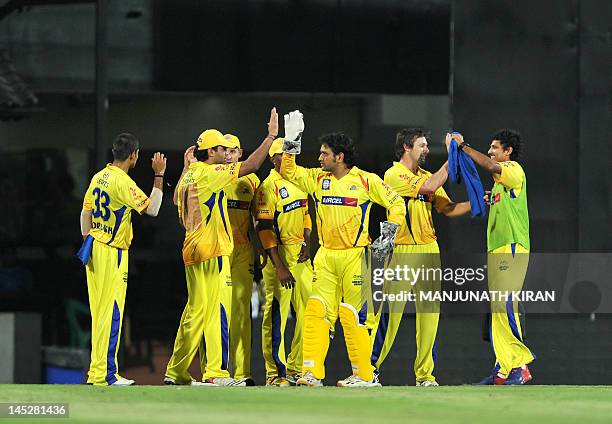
(339, 142)
(510, 138)
(406, 137)
(124, 145)
(200, 155)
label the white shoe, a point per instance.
(308, 379)
(123, 382)
(426, 383)
(224, 381)
(355, 381)
(169, 381)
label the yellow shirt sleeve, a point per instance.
(441, 200)
(305, 178)
(407, 185)
(384, 195)
(88, 199)
(307, 219)
(222, 176)
(133, 197)
(266, 202)
(511, 176)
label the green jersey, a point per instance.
(509, 216)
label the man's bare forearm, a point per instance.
(256, 159)
(435, 181)
(482, 160)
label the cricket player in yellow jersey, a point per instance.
(508, 252)
(240, 208)
(415, 245)
(202, 206)
(106, 226)
(343, 196)
(284, 228)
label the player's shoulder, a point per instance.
(362, 173)
(511, 164)
(423, 172)
(250, 180)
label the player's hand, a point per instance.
(457, 137)
(189, 157)
(285, 277)
(382, 247)
(447, 141)
(294, 127)
(304, 253)
(273, 123)
(158, 163)
(487, 196)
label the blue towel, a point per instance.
(84, 252)
(461, 165)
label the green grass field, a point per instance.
(457, 404)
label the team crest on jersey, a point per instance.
(283, 193)
(325, 184)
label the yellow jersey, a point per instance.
(418, 227)
(111, 197)
(239, 206)
(202, 209)
(343, 205)
(286, 205)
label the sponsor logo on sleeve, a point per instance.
(339, 201)
(295, 205)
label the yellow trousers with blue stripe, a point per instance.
(389, 316)
(241, 263)
(106, 272)
(507, 267)
(203, 322)
(278, 302)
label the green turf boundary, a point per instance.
(450, 404)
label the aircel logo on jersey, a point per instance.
(238, 204)
(294, 205)
(325, 184)
(283, 193)
(337, 200)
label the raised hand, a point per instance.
(294, 127)
(273, 123)
(188, 157)
(158, 163)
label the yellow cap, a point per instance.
(212, 138)
(276, 147)
(233, 139)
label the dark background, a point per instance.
(174, 68)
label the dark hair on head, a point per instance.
(510, 138)
(200, 155)
(406, 137)
(124, 145)
(339, 142)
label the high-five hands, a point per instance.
(294, 127)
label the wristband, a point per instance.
(462, 145)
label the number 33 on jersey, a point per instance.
(111, 196)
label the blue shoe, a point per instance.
(495, 379)
(518, 376)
